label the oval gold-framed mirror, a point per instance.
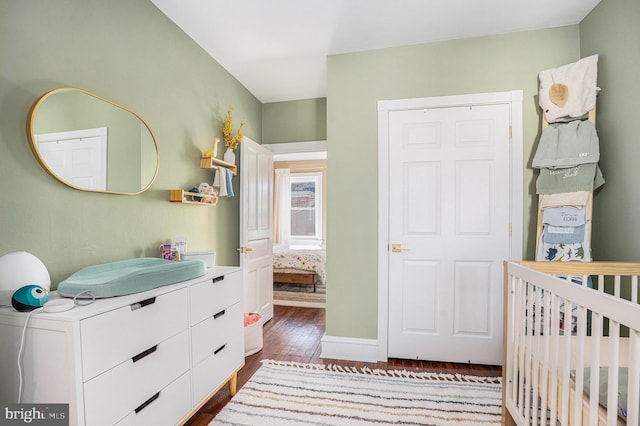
(92, 144)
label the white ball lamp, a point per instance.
(19, 269)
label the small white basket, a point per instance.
(209, 257)
(253, 338)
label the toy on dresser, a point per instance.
(29, 297)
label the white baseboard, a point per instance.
(349, 348)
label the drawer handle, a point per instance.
(217, 279)
(219, 349)
(146, 403)
(142, 354)
(143, 303)
(219, 314)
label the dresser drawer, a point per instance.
(114, 336)
(212, 296)
(210, 373)
(115, 393)
(169, 406)
(209, 335)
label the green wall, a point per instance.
(132, 54)
(612, 30)
(295, 121)
(129, 52)
(355, 83)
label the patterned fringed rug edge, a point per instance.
(422, 375)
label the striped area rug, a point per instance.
(283, 393)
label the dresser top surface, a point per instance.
(80, 312)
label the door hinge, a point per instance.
(510, 230)
(510, 132)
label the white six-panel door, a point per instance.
(77, 156)
(256, 237)
(449, 217)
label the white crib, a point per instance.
(558, 332)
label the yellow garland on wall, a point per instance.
(231, 141)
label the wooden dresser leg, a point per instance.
(233, 382)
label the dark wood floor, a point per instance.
(294, 335)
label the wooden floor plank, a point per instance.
(294, 334)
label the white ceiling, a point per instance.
(278, 48)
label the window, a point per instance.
(306, 208)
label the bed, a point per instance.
(571, 352)
(297, 265)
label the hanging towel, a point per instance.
(564, 216)
(580, 252)
(584, 177)
(568, 199)
(569, 90)
(229, 180)
(564, 224)
(564, 234)
(216, 178)
(564, 145)
(220, 181)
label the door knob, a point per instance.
(397, 248)
(245, 249)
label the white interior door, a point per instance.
(449, 215)
(256, 218)
(78, 156)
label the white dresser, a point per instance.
(150, 358)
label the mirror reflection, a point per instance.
(90, 143)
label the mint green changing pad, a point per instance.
(130, 276)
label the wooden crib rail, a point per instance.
(585, 268)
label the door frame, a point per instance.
(514, 99)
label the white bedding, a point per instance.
(302, 259)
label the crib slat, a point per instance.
(528, 354)
(555, 356)
(521, 348)
(565, 370)
(581, 327)
(511, 341)
(612, 388)
(546, 306)
(594, 385)
(634, 289)
(517, 348)
(537, 329)
(633, 386)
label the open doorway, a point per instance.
(299, 251)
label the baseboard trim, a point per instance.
(349, 348)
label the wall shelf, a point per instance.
(211, 162)
(185, 197)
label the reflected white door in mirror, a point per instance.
(77, 156)
(113, 149)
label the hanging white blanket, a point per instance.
(577, 83)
